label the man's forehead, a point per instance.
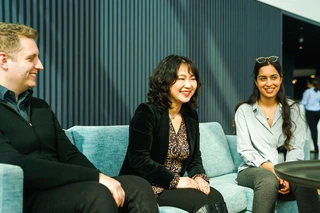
(28, 46)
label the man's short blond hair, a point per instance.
(10, 36)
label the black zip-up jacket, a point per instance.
(41, 148)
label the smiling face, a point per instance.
(22, 67)
(268, 82)
(184, 86)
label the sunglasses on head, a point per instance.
(262, 60)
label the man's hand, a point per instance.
(186, 182)
(115, 188)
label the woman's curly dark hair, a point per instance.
(162, 78)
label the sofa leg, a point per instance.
(213, 208)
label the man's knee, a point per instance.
(134, 184)
(98, 198)
(140, 182)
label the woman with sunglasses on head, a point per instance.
(270, 129)
(164, 140)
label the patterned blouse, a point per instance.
(178, 152)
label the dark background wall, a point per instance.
(99, 54)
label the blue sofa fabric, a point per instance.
(11, 188)
(105, 147)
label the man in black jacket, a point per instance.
(57, 177)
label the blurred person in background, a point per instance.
(311, 103)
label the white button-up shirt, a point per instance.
(257, 142)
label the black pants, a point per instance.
(191, 200)
(93, 197)
(313, 118)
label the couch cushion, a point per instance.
(286, 207)
(249, 196)
(215, 151)
(233, 194)
(104, 146)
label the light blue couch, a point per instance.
(106, 146)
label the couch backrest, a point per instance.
(216, 156)
(104, 146)
(237, 159)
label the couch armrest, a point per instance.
(232, 142)
(11, 188)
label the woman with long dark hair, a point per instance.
(164, 140)
(270, 129)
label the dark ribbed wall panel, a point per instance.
(99, 54)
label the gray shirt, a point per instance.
(257, 142)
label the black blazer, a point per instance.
(148, 145)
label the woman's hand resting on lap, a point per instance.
(204, 186)
(199, 183)
(186, 182)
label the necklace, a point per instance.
(173, 116)
(174, 113)
(268, 111)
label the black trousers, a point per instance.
(188, 199)
(313, 118)
(93, 197)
